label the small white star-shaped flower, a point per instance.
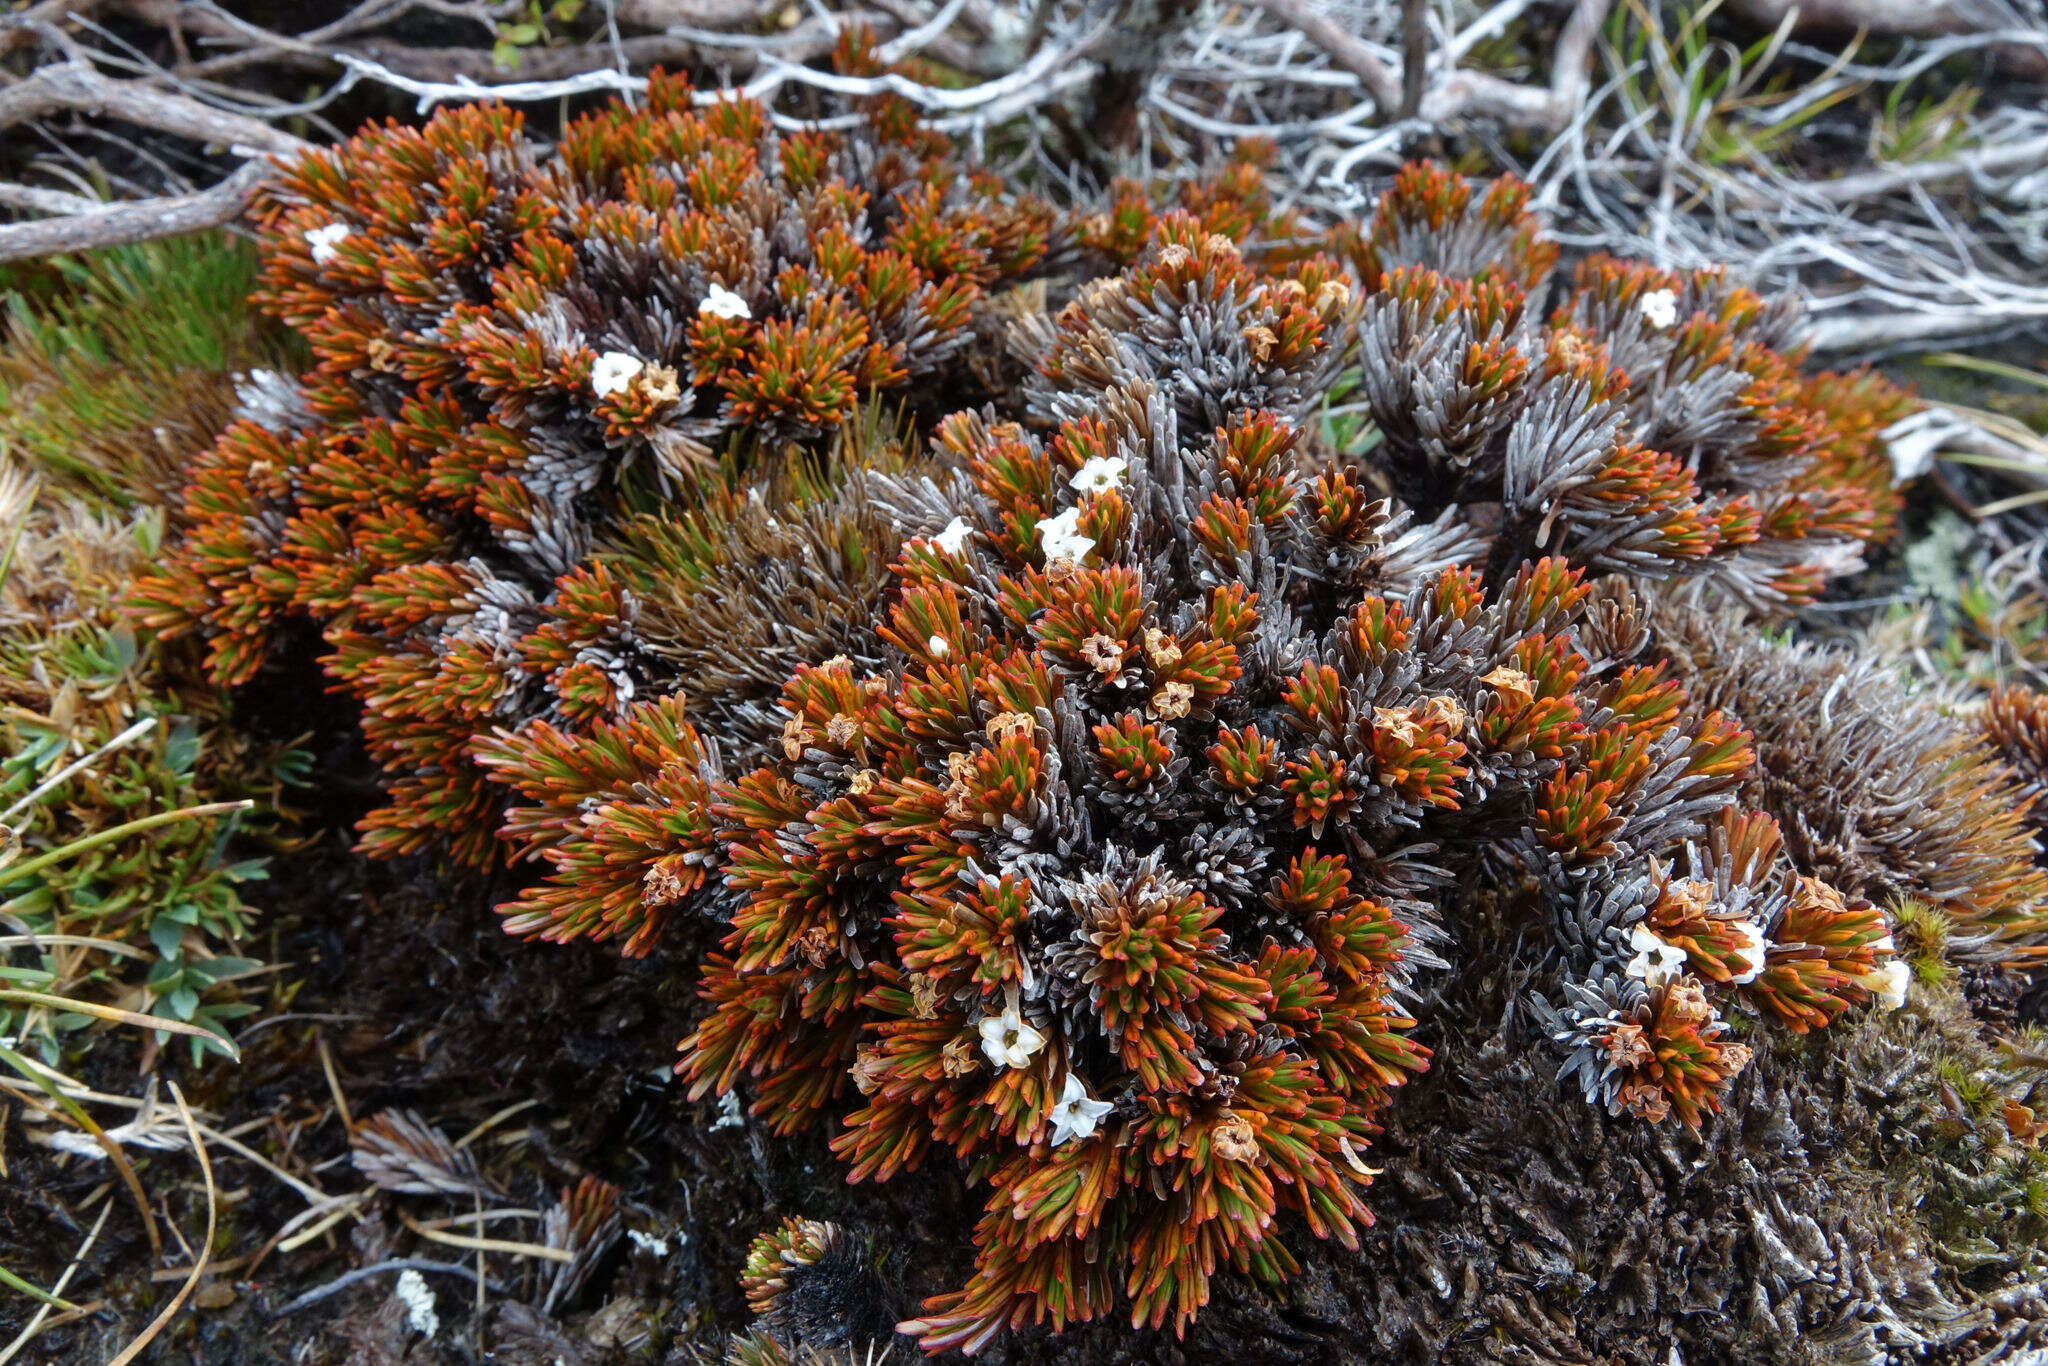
(324, 240)
(613, 371)
(1007, 1041)
(1061, 539)
(1659, 308)
(723, 303)
(1888, 984)
(1075, 1115)
(1749, 951)
(1656, 961)
(1099, 473)
(954, 538)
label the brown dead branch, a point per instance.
(1984, 162)
(1348, 52)
(733, 15)
(324, 50)
(142, 220)
(1896, 19)
(1459, 95)
(26, 27)
(77, 87)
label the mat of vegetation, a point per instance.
(1188, 788)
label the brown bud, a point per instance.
(1005, 724)
(1684, 900)
(1104, 654)
(662, 886)
(1627, 1048)
(959, 1058)
(1173, 701)
(1398, 722)
(1234, 1140)
(817, 945)
(1646, 1100)
(1161, 648)
(1513, 685)
(658, 384)
(1686, 1000)
(1444, 713)
(957, 806)
(870, 1069)
(1568, 351)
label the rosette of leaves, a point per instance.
(2014, 721)
(811, 1284)
(1655, 423)
(1180, 753)
(1882, 790)
(509, 343)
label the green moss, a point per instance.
(117, 365)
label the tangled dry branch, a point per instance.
(1653, 136)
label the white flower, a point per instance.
(1659, 308)
(614, 371)
(954, 538)
(938, 646)
(413, 1292)
(1750, 951)
(1099, 473)
(1075, 1116)
(1656, 961)
(1888, 984)
(729, 1116)
(325, 240)
(723, 303)
(1008, 1041)
(1061, 539)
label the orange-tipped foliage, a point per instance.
(1104, 859)
(504, 333)
(1107, 872)
(1107, 879)
(1658, 424)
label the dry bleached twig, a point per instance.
(1344, 85)
(165, 100)
(1642, 163)
(140, 221)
